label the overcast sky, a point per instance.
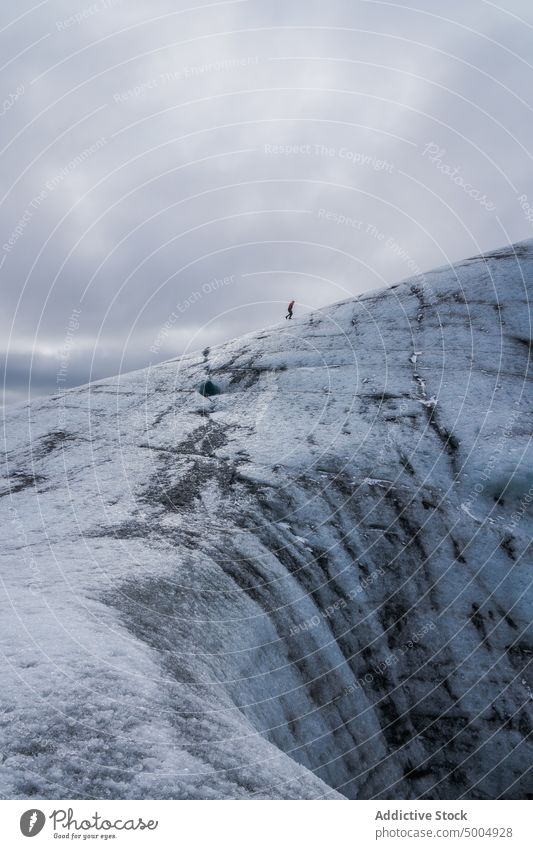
(174, 172)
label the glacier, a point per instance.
(315, 584)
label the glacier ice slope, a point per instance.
(313, 585)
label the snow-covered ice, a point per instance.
(279, 592)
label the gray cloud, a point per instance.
(302, 150)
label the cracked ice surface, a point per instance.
(315, 584)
